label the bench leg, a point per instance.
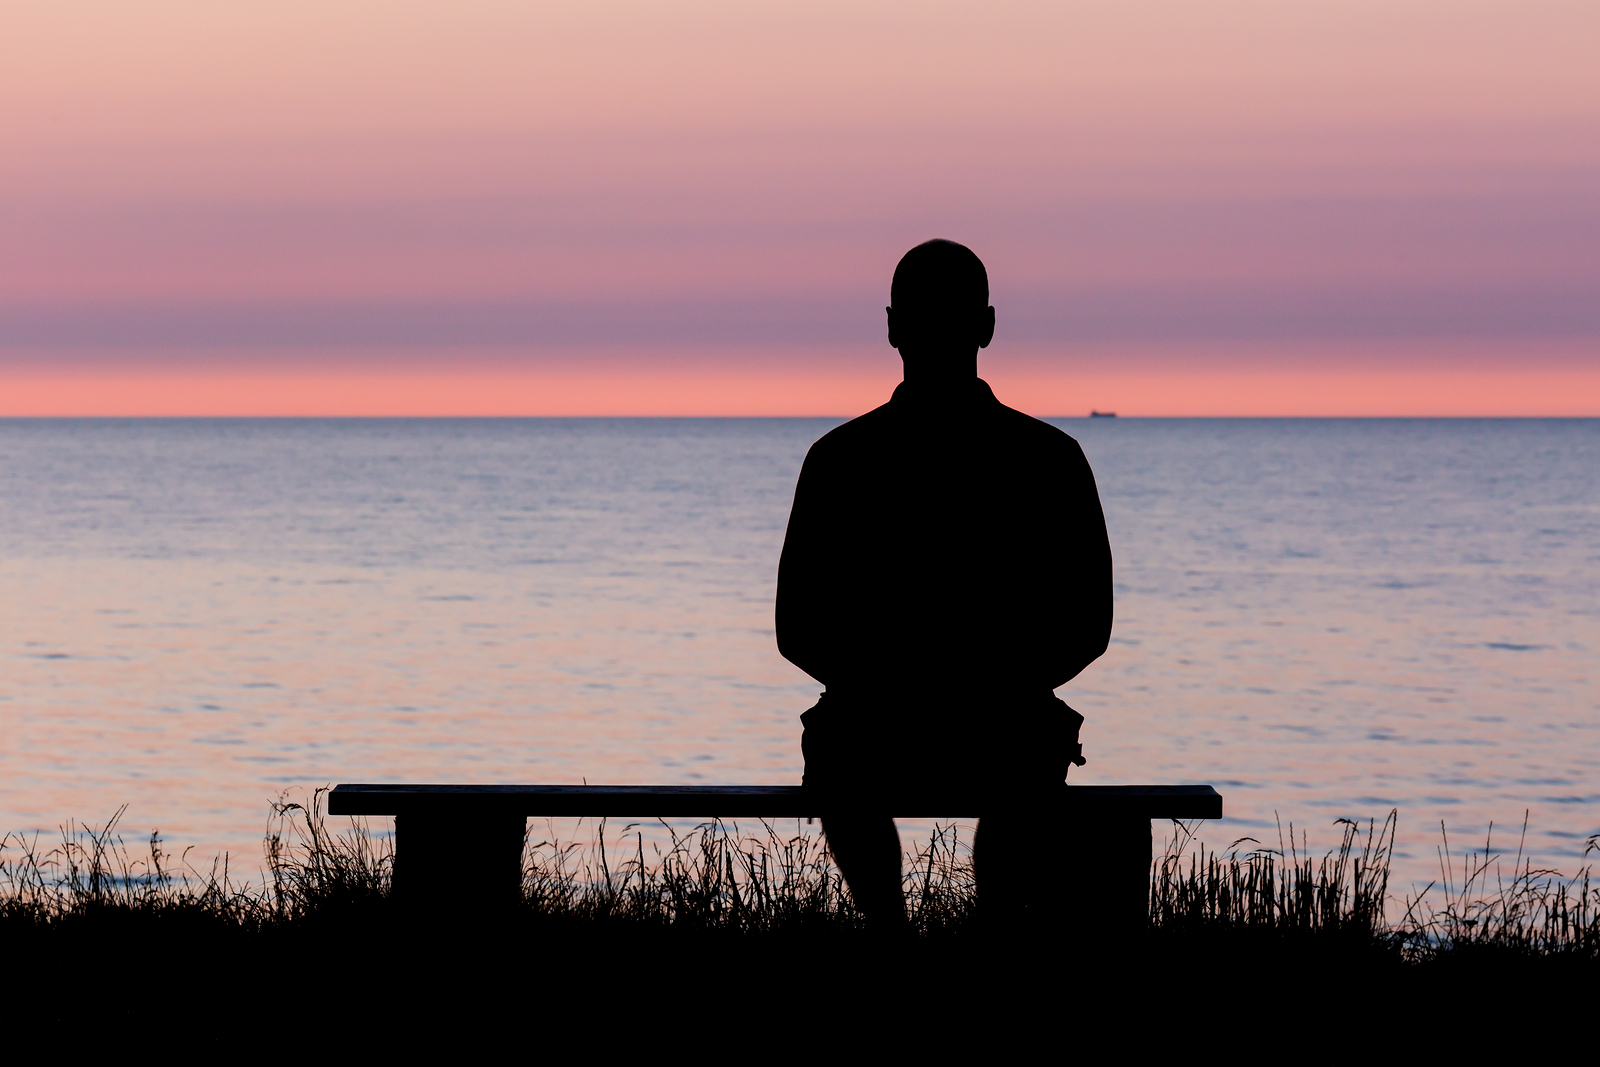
(441, 861)
(1109, 877)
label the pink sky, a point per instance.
(404, 208)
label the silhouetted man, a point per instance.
(946, 567)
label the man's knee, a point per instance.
(863, 838)
(1009, 854)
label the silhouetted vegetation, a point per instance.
(108, 936)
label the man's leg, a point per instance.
(1020, 878)
(867, 850)
(1022, 859)
(999, 868)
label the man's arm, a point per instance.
(1083, 629)
(804, 571)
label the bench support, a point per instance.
(447, 859)
(478, 861)
(1108, 872)
(464, 843)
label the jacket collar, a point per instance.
(970, 393)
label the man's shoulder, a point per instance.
(863, 431)
(879, 427)
(1036, 433)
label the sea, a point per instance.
(1325, 619)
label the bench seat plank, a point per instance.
(734, 801)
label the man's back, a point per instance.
(944, 543)
(946, 567)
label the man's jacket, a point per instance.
(941, 546)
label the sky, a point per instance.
(694, 208)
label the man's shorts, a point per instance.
(1016, 747)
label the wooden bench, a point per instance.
(455, 839)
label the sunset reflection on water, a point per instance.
(1323, 619)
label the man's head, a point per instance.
(939, 313)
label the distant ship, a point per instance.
(1102, 414)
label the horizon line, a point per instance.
(614, 415)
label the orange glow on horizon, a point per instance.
(788, 391)
(180, 178)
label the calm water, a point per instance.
(1323, 618)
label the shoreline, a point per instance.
(727, 929)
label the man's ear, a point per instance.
(985, 331)
(888, 314)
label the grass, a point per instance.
(735, 922)
(1474, 905)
